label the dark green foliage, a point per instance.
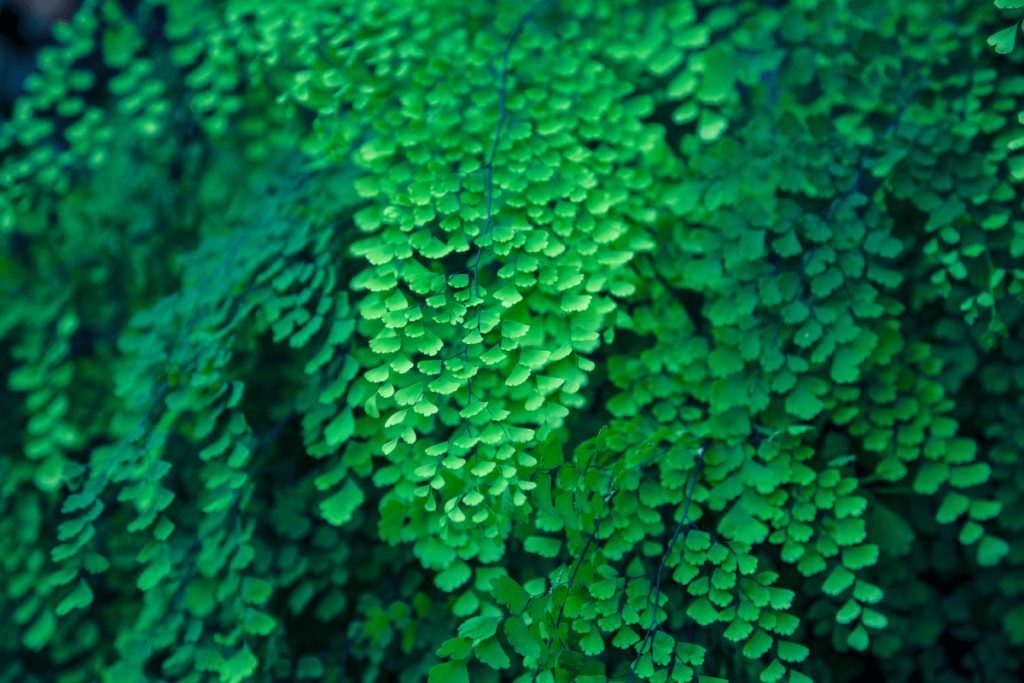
(578, 341)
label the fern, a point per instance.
(593, 341)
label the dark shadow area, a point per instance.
(25, 27)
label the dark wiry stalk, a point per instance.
(656, 588)
(502, 118)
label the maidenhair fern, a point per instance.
(568, 341)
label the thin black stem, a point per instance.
(656, 588)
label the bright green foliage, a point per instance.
(575, 341)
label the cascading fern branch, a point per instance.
(578, 341)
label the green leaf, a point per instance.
(661, 648)
(509, 593)
(492, 654)
(1003, 41)
(340, 428)
(256, 591)
(625, 637)
(953, 506)
(456, 575)
(846, 365)
(874, 619)
(698, 540)
(479, 628)
(848, 612)
(78, 598)
(970, 475)
(983, 510)
(792, 652)
(711, 126)
(592, 644)
(602, 590)
(339, 507)
(154, 573)
(719, 74)
(860, 556)
(520, 638)
(310, 668)
(543, 546)
(40, 631)
(757, 645)
(739, 525)
(240, 666)
(991, 550)
(802, 402)
(258, 623)
(738, 630)
(703, 612)
(724, 362)
(858, 639)
(838, 581)
(867, 592)
(773, 672)
(449, 672)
